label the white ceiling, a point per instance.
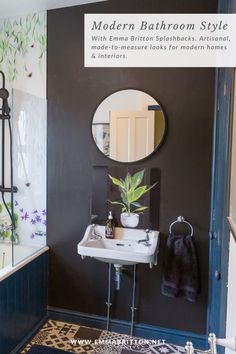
(9, 8)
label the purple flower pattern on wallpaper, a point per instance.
(35, 217)
(24, 216)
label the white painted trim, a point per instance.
(9, 270)
(232, 226)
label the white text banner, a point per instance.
(160, 40)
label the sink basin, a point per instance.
(124, 249)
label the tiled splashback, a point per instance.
(29, 160)
(23, 42)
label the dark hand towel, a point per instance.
(181, 270)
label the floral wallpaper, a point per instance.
(18, 37)
(23, 45)
(36, 217)
(29, 166)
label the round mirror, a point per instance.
(128, 125)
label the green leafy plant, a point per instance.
(131, 192)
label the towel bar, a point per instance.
(181, 219)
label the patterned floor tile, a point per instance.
(107, 349)
(127, 351)
(73, 338)
(87, 333)
(164, 349)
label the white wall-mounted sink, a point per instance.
(124, 249)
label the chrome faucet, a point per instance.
(94, 234)
(146, 240)
(12, 238)
(40, 233)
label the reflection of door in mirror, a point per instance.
(128, 125)
(131, 135)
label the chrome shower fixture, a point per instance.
(229, 343)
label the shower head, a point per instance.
(4, 94)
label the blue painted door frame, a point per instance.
(219, 230)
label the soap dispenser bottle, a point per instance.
(109, 228)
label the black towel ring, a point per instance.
(182, 220)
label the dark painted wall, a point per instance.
(74, 92)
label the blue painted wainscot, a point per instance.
(23, 303)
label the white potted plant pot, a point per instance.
(129, 220)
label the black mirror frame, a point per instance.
(156, 148)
